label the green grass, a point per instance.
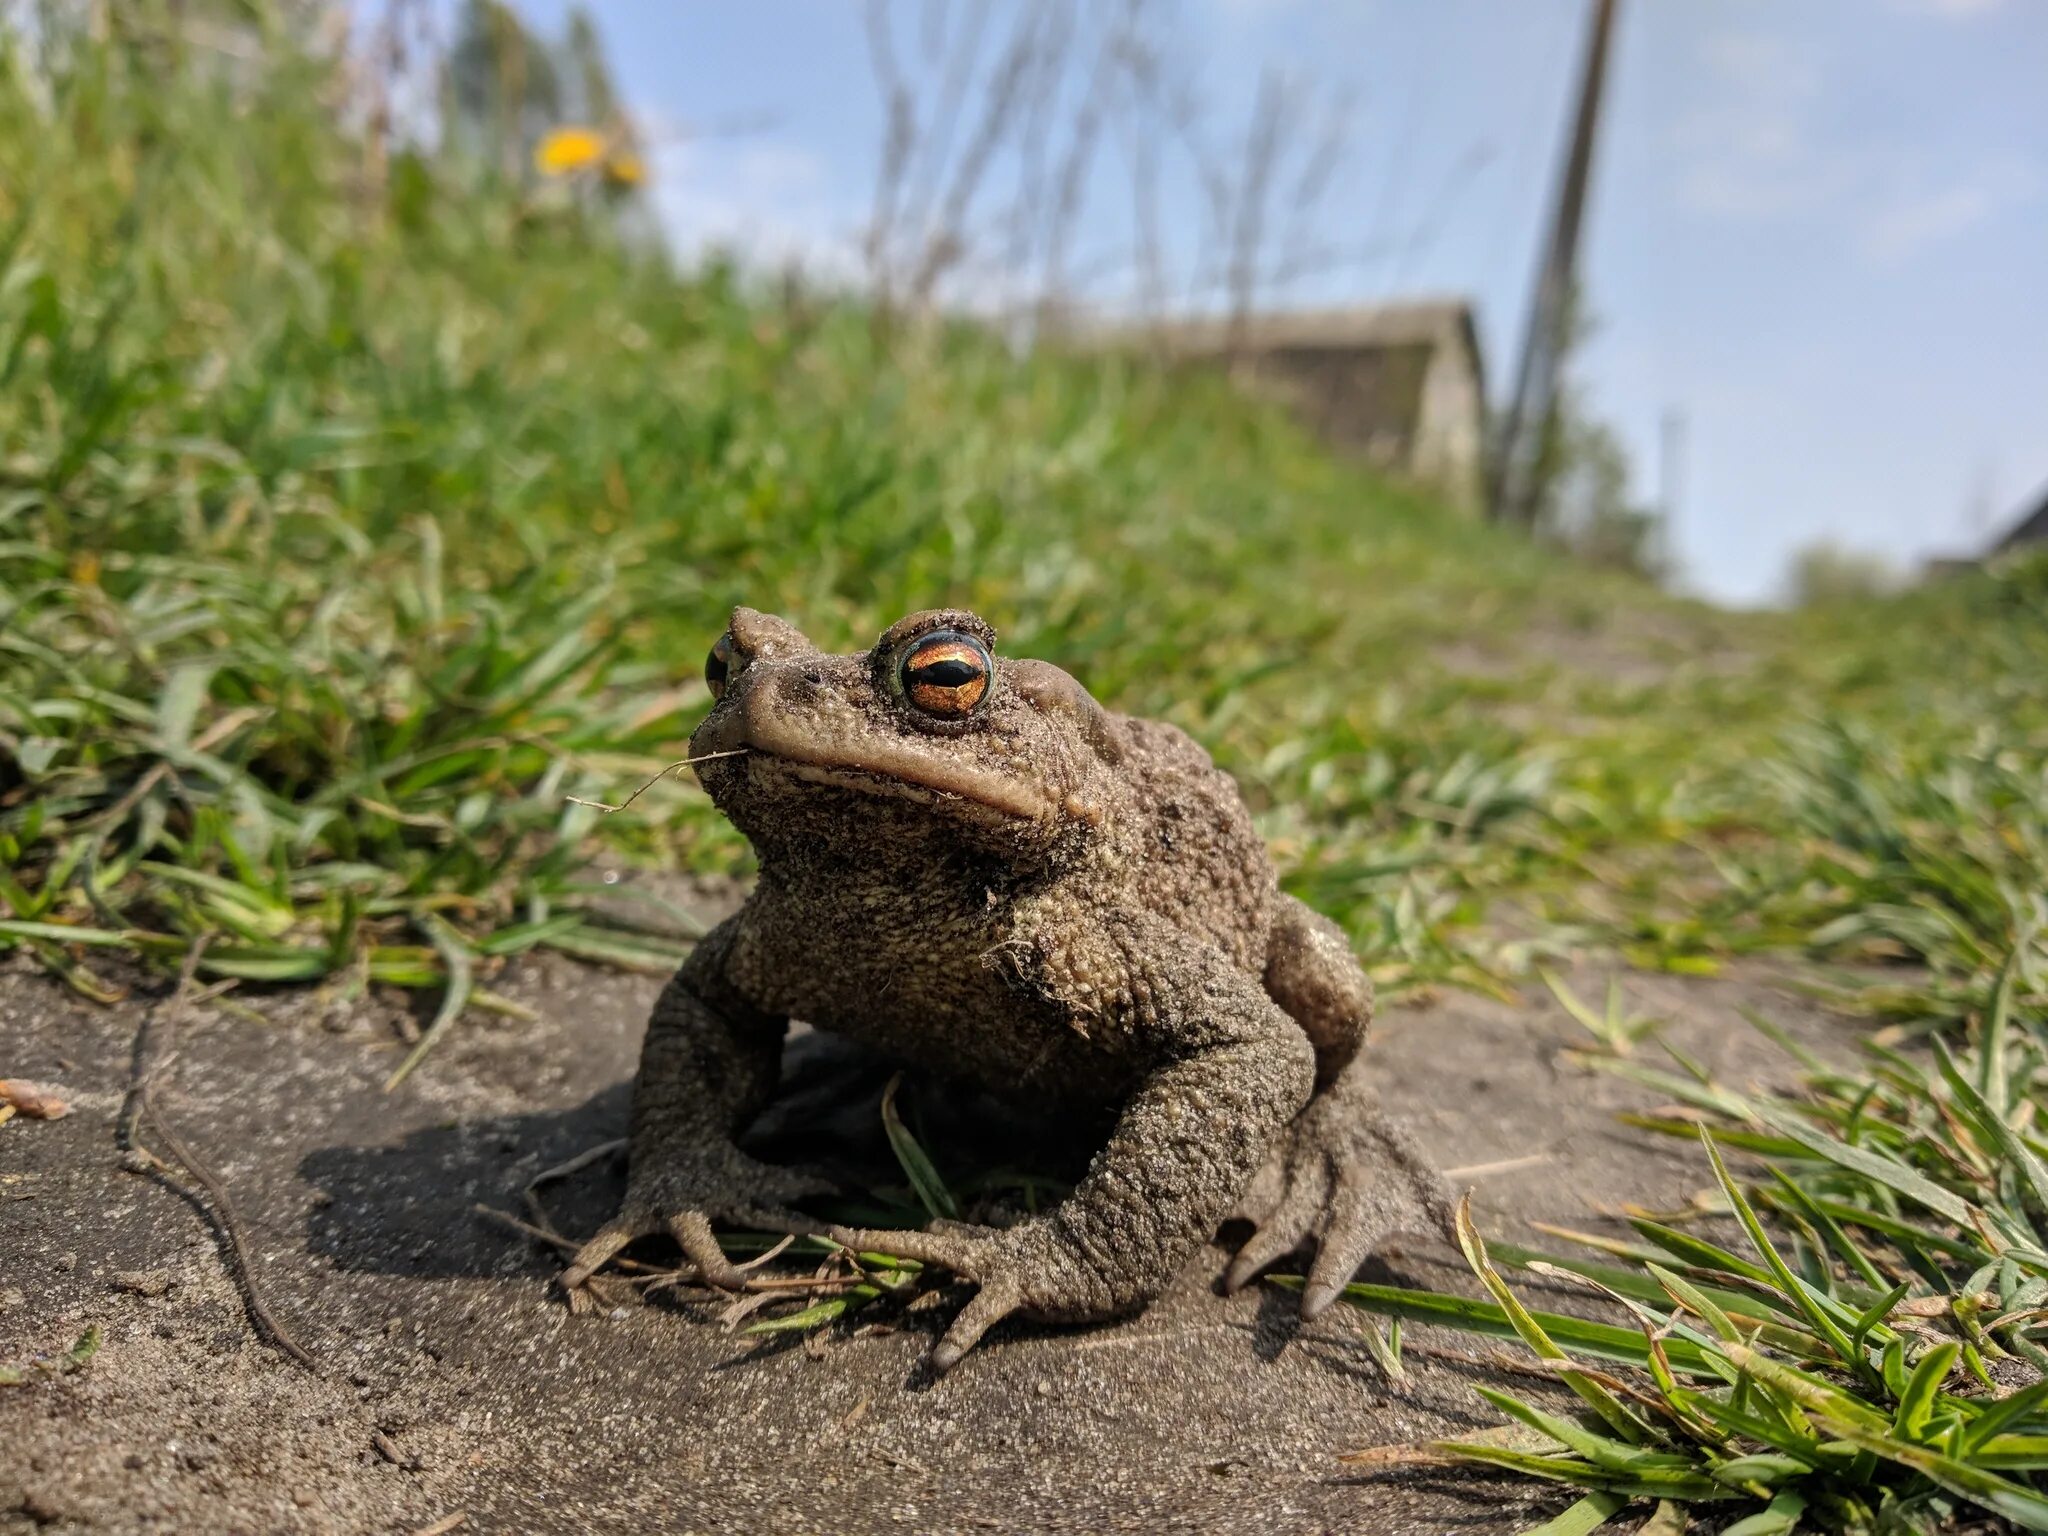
(351, 525)
(346, 530)
(1876, 1366)
(344, 535)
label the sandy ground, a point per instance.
(450, 1380)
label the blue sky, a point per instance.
(1819, 228)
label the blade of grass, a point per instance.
(931, 1189)
(1603, 1341)
(1816, 1308)
(456, 958)
(1778, 1520)
(1851, 1421)
(1531, 1332)
(1587, 1515)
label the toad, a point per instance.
(969, 864)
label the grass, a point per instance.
(351, 524)
(344, 535)
(76, 1358)
(1875, 1367)
(347, 530)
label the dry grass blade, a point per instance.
(1602, 1401)
(154, 1044)
(460, 965)
(611, 810)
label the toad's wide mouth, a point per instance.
(890, 773)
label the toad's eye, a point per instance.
(946, 674)
(718, 666)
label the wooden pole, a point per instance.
(1515, 490)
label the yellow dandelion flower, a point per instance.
(625, 169)
(566, 151)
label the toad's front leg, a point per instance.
(707, 1067)
(1230, 1071)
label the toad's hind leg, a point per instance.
(1342, 1172)
(1313, 976)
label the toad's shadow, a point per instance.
(411, 1208)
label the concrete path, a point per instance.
(451, 1380)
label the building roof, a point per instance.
(1414, 322)
(1388, 325)
(2032, 528)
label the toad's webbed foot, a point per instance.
(1346, 1175)
(684, 1201)
(1024, 1269)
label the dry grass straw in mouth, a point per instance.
(599, 805)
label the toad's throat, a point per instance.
(882, 768)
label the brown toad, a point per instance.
(970, 864)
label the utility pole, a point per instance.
(1513, 489)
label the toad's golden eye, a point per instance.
(718, 666)
(946, 674)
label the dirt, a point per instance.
(450, 1380)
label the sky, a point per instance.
(1817, 236)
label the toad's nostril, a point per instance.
(814, 676)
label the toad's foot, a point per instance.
(737, 1190)
(1024, 1269)
(1346, 1175)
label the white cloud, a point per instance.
(1255, 10)
(1749, 151)
(1928, 219)
(1754, 151)
(1762, 65)
(1951, 10)
(1933, 211)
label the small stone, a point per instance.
(1044, 1388)
(386, 1447)
(67, 1262)
(41, 1507)
(37, 1101)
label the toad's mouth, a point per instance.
(891, 773)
